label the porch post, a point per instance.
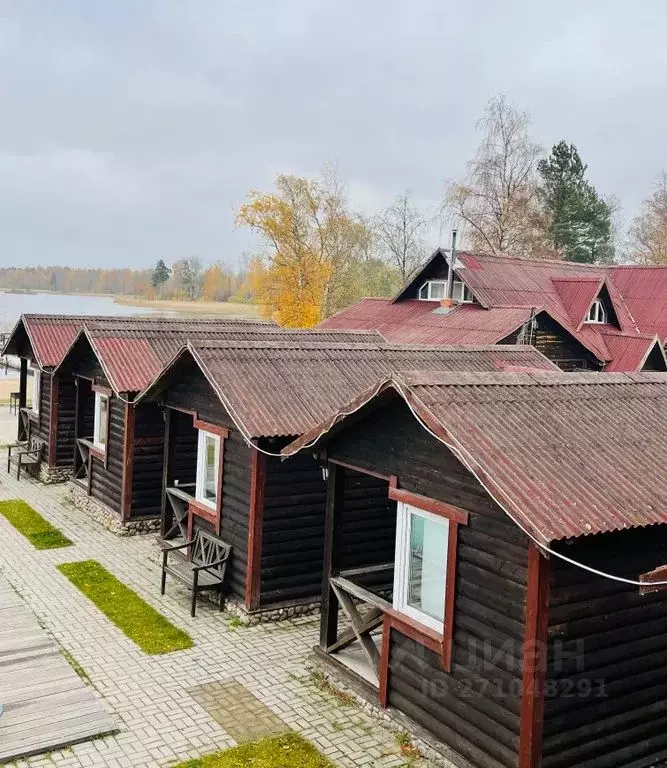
(166, 455)
(23, 388)
(329, 607)
(534, 658)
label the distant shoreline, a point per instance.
(227, 308)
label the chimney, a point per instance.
(450, 275)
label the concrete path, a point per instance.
(46, 705)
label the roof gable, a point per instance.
(524, 435)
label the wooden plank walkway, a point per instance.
(46, 704)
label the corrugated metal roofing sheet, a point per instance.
(566, 454)
(133, 358)
(282, 388)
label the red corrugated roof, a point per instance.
(283, 388)
(132, 353)
(565, 454)
(506, 289)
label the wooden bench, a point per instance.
(21, 455)
(205, 570)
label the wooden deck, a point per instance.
(46, 704)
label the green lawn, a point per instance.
(288, 751)
(138, 620)
(39, 532)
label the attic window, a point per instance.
(434, 290)
(597, 313)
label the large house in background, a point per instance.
(583, 317)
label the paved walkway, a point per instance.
(161, 722)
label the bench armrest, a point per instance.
(211, 565)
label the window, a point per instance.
(597, 313)
(208, 461)
(434, 290)
(461, 292)
(420, 574)
(36, 389)
(101, 424)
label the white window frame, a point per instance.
(464, 293)
(460, 291)
(428, 285)
(97, 423)
(401, 564)
(36, 389)
(597, 313)
(200, 485)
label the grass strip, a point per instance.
(149, 629)
(39, 532)
(288, 751)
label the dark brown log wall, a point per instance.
(65, 442)
(193, 392)
(553, 341)
(606, 704)
(293, 533)
(107, 481)
(476, 708)
(148, 461)
(40, 424)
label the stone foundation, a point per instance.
(393, 720)
(270, 614)
(50, 475)
(106, 516)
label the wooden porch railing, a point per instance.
(351, 596)
(82, 467)
(179, 501)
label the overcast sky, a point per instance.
(131, 130)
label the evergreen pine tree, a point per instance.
(580, 220)
(160, 275)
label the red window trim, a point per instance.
(440, 508)
(214, 429)
(659, 574)
(106, 391)
(456, 517)
(213, 516)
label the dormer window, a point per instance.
(434, 290)
(597, 312)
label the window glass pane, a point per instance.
(103, 407)
(423, 291)
(211, 468)
(427, 565)
(437, 290)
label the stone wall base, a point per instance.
(50, 475)
(395, 721)
(106, 516)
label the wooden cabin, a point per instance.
(231, 407)
(115, 447)
(476, 610)
(46, 413)
(581, 316)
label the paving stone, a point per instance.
(152, 696)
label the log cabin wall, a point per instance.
(147, 461)
(606, 702)
(293, 531)
(65, 437)
(192, 392)
(476, 708)
(553, 341)
(40, 422)
(107, 475)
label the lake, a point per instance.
(12, 305)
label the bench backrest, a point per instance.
(209, 549)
